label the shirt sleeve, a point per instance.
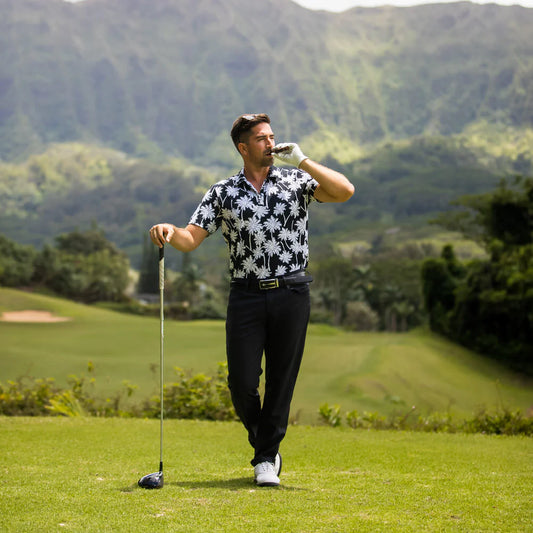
(309, 186)
(208, 214)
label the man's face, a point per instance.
(260, 142)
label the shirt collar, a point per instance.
(273, 175)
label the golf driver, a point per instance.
(155, 480)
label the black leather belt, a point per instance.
(294, 278)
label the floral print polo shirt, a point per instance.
(266, 231)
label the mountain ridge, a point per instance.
(171, 76)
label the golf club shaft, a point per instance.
(161, 343)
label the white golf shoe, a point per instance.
(265, 475)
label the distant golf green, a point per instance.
(381, 372)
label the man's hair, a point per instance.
(242, 126)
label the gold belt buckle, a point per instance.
(266, 284)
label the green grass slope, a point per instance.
(63, 474)
(380, 372)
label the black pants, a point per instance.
(273, 322)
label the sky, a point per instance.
(341, 5)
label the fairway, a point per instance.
(62, 474)
(377, 372)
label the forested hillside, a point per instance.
(116, 114)
(152, 76)
(73, 186)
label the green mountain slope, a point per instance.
(72, 186)
(364, 371)
(171, 75)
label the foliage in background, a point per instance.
(189, 397)
(174, 85)
(60, 191)
(408, 147)
(83, 266)
(196, 396)
(28, 396)
(502, 422)
(202, 397)
(16, 263)
(69, 187)
(377, 291)
(487, 305)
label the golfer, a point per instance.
(263, 214)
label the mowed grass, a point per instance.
(60, 474)
(377, 372)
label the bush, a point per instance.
(502, 422)
(195, 397)
(27, 396)
(360, 316)
(330, 415)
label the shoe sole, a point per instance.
(267, 484)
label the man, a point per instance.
(263, 213)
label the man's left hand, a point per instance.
(292, 156)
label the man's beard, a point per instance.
(267, 160)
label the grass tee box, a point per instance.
(63, 474)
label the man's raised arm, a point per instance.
(332, 185)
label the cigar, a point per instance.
(281, 149)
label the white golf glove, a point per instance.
(292, 156)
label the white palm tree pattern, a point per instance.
(267, 231)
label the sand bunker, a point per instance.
(31, 316)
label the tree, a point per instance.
(439, 281)
(84, 266)
(505, 214)
(394, 291)
(16, 263)
(335, 284)
(487, 305)
(85, 242)
(187, 287)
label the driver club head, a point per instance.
(152, 481)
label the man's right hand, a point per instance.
(183, 239)
(162, 233)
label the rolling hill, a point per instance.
(365, 371)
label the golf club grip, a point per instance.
(161, 268)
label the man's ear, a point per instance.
(243, 148)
